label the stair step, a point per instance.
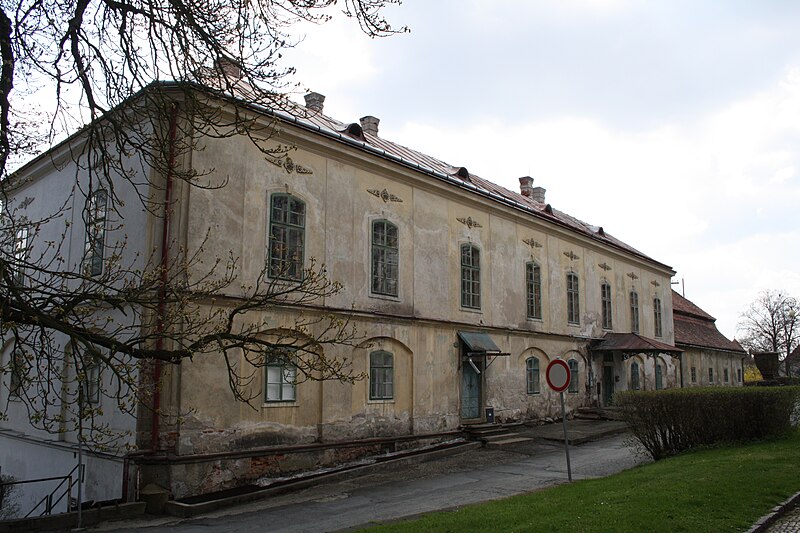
(504, 442)
(499, 436)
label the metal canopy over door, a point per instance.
(476, 347)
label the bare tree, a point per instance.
(771, 324)
(130, 84)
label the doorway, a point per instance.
(608, 379)
(470, 390)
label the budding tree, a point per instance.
(771, 324)
(92, 72)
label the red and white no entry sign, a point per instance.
(558, 375)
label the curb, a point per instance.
(777, 512)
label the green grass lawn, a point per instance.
(724, 489)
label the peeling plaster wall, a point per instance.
(717, 360)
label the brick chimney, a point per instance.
(526, 186)
(229, 68)
(315, 101)
(370, 125)
(537, 194)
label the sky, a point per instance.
(675, 125)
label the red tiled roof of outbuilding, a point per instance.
(695, 327)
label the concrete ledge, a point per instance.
(186, 510)
(777, 512)
(89, 517)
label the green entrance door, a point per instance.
(608, 384)
(470, 392)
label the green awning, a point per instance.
(479, 343)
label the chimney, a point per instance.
(526, 186)
(537, 194)
(370, 125)
(315, 101)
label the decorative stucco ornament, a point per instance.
(384, 195)
(468, 222)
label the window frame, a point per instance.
(710, 374)
(726, 375)
(658, 326)
(694, 374)
(378, 387)
(634, 303)
(573, 298)
(470, 276)
(91, 383)
(20, 252)
(606, 306)
(285, 368)
(574, 376)
(533, 290)
(95, 221)
(385, 259)
(289, 261)
(533, 375)
(635, 378)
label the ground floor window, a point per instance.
(711, 375)
(532, 375)
(659, 377)
(280, 383)
(739, 374)
(726, 375)
(381, 375)
(694, 374)
(573, 375)
(634, 376)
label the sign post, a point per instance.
(558, 377)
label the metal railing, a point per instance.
(51, 500)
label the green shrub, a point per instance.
(671, 421)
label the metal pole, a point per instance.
(566, 441)
(80, 455)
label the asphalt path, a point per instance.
(470, 477)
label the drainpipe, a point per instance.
(162, 293)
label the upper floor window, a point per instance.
(92, 384)
(287, 227)
(573, 375)
(634, 312)
(384, 258)
(573, 307)
(470, 277)
(21, 244)
(532, 375)
(634, 376)
(657, 317)
(381, 375)
(95, 221)
(18, 371)
(533, 284)
(605, 295)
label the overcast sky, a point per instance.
(675, 125)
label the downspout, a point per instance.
(162, 292)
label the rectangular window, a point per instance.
(659, 377)
(280, 382)
(92, 383)
(725, 375)
(694, 375)
(381, 376)
(470, 277)
(532, 375)
(635, 376)
(739, 374)
(20, 254)
(533, 283)
(286, 237)
(18, 372)
(657, 317)
(573, 376)
(634, 312)
(384, 258)
(95, 221)
(573, 306)
(711, 375)
(605, 295)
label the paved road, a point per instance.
(470, 477)
(790, 523)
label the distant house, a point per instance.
(791, 365)
(709, 358)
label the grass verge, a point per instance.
(724, 489)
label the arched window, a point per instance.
(384, 258)
(634, 376)
(605, 295)
(573, 375)
(533, 284)
(287, 228)
(95, 220)
(659, 376)
(634, 311)
(470, 277)
(532, 374)
(657, 317)
(381, 375)
(573, 307)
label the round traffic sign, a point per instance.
(558, 375)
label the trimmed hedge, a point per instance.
(671, 421)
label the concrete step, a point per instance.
(499, 436)
(506, 442)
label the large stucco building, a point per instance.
(462, 292)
